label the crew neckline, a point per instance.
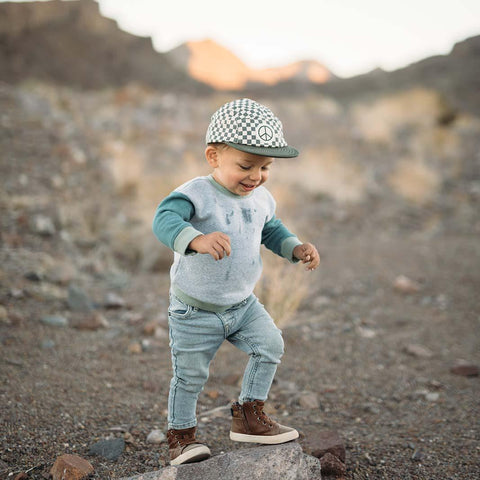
(226, 191)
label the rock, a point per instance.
(93, 322)
(109, 449)
(54, 321)
(405, 285)
(156, 437)
(112, 300)
(78, 300)
(61, 273)
(47, 344)
(286, 461)
(331, 465)
(318, 443)
(135, 347)
(71, 467)
(309, 401)
(418, 351)
(43, 225)
(465, 370)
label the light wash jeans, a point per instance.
(195, 337)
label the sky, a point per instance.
(349, 37)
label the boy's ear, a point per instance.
(211, 154)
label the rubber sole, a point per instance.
(196, 454)
(265, 439)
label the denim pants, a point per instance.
(195, 337)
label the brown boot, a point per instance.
(251, 424)
(184, 448)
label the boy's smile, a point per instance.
(237, 171)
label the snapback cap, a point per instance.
(250, 127)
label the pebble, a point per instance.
(418, 351)
(47, 344)
(405, 285)
(112, 300)
(156, 437)
(309, 401)
(109, 449)
(465, 370)
(93, 322)
(78, 300)
(43, 225)
(54, 321)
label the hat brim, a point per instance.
(276, 152)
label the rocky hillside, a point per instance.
(213, 64)
(71, 43)
(456, 76)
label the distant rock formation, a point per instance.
(456, 76)
(71, 43)
(213, 64)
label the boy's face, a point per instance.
(238, 171)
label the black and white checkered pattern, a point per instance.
(246, 122)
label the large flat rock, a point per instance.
(285, 462)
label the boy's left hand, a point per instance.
(308, 255)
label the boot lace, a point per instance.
(262, 417)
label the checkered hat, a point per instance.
(250, 127)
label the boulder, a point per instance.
(286, 462)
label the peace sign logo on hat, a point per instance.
(265, 132)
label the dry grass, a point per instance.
(282, 288)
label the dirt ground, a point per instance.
(402, 416)
(377, 360)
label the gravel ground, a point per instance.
(402, 415)
(378, 361)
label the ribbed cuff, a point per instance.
(183, 240)
(287, 248)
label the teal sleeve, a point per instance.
(277, 238)
(171, 222)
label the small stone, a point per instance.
(418, 455)
(3, 314)
(78, 300)
(109, 449)
(93, 322)
(112, 300)
(309, 401)
(213, 394)
(331, 465)
(71, 467)
(135, 348)
(465, 370)
(47, 344)
(43, 225)
(418, 351)
(61, 273)
(160, 333)
(54, 321)
(406, 285)
(432, 396)
(156, 437)
(318, 443)
(366, 332)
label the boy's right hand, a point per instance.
(217, 244)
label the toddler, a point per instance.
(215, 225)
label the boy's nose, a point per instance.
(255, 175)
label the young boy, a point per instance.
(215, 225)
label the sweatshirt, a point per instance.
(202, 206)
